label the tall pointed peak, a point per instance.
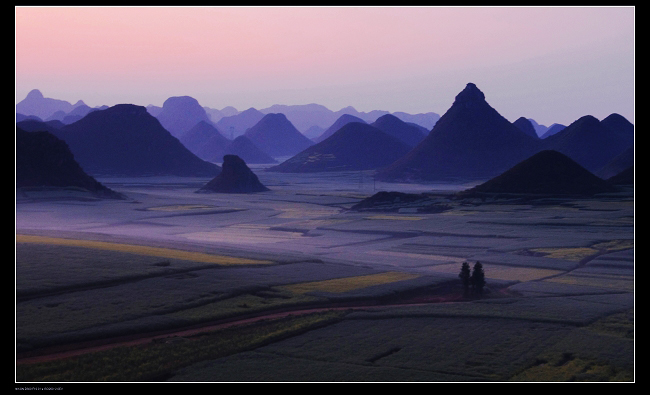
(471, 94)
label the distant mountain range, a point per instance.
(36, 104)
(471, 141)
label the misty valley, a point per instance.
(298, 244)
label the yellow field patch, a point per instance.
(615, 245)
(569, 254)
(346, 284)
(622, 283)
(499, 272)
(395, 217)
(142, 250)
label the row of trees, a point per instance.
(474, 281)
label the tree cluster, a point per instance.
(474, 281)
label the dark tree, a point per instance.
(478, 278)
(465, 276)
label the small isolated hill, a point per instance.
(338, 124)
(180, 113)
(471, 141)
(125, 140)
(235, 177)
(205, 141)
(246, 150)
(393, 126)
(356, 146)
(276, 136)
(545, 173)
(43, 160)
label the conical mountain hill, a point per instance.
(44, 160)
(236, 177)
(276, 136)
(126, 140)
(546, 173)
(356, 146)
(526, 126)
(246, 150)
(180, 113)
(592, 143)
(470, 141)
(408, 134)
(338, 124)
(205, 141)
(237, 124)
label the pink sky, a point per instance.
(552, 64)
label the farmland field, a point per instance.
(371, 297)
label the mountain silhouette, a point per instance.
(205, 141)
(306, 116)
(126, 140)
(303, 116)
(547, 173)
(553, 129)
(617, 164)
(247, 151)
(539, 129)
(426, 120)
(22, 117)
(625, 177)
(619, 125)
(391, 125)
(180, 113)
(338, 124)
(276, 136)
(31, 125)
(235, 177)
(526, 126)
(592, 143)
(36, 104)
(236, 125)
(356, 146)
(43, 160)
(313, 132)
(470, 141)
